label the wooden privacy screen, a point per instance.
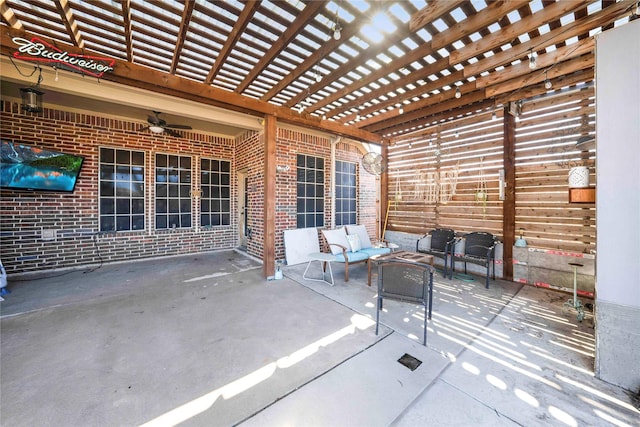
(545, 151)
(448, 175)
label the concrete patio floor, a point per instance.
(204, 340)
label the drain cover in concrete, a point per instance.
(409, 361)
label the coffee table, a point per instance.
(406, 256)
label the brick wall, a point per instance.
(250, 158)
(73, 217)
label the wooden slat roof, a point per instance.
(394, 69)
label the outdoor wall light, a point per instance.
(458, 93)
(31, 99)
(32, 96)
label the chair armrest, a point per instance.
(418, 241)
(344, 249)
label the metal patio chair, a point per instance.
(408, 282)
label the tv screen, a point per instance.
(25, 167)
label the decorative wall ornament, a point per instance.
(437, 187)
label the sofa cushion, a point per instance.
(362, 233)
(337, 236)
(376, 251)
(353, 256)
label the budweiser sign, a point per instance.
(41, 51)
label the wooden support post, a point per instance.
(269, 217)
(509, 203)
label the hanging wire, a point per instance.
(35, 68)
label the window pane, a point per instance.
(216, 190)
(137, 189)
(346, 191)
(161, 221)
(107, 172)
(137, 222)
(122, 189)
(107, 188)
(123, 206)
(310, 191)
(161, 206)
(107, 155)
(161, 190)
(115, 197)
(137, 158)
(107, 223)
(123, 222)
(123, 173)
(137, 174)
(123, 157)
(185, 220)
(107, 206)
(137, 206)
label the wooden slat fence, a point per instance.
(467, 154)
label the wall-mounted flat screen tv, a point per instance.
(25, 167)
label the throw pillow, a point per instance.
(361, 231)
(354, 242)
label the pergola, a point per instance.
(393, 67)
(368, 71)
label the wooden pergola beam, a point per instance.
(69, 22)
(564, 68)
(444, 102)
(346, 68)
(330, 45)
(9, 17)
(546, 63)
(308, 14)
(128, 38)
(510, 32)
(182, 34)
(539, 89)
(417, 92)
(558, 35)
(244, 18)
(431, 12)
(143, 77)
(492, 13)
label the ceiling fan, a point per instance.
(158, 125)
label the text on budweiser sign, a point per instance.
(41, 51)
